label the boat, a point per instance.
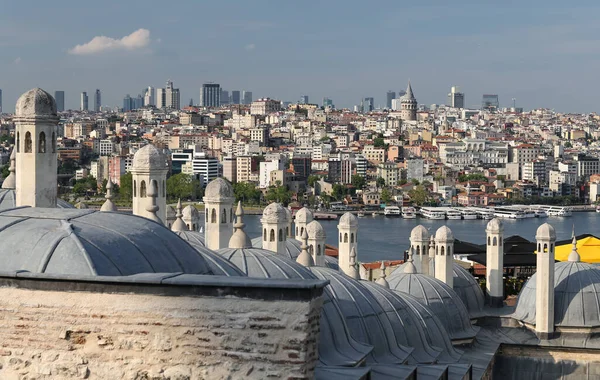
(508, 213)
(468, 214)
(432, 213)
(374, 213)
(541, 214)
(486, 215)
(563, 211)
(452, 214)
(409, 213)
(361, 214)
(391, 211)
(597, 208)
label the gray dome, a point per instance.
(86, 242)
(419, 233)
(190, 212)
(171, 212)
(149, 158)
(494, 226)
(444, 234)
(255, 262)
(219, 265)
(304, 215)
(367, 322)
(440, 298)
(218, 188)
(292, 251)
(348, 220)
(576, 296)
(545, 232)
(35, 102)
(315, 230)
(8, 200)
(274, 213)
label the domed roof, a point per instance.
(149, 158)
(292, 251)
(315, 230)
(576, 296)
(8, 200)
(274, 213)
(545, 232)
(218, 188)
(304, 215)
(440, 298)
(217, 263)
(87, 242)
(171, 212)
(288, 214)
(348, 220)
(444, 234)
(35, 102)
(190, 212)
(256, 262)
(367, 321)
(419, 233)
(494, 226)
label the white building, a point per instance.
(265, 169)
(106, 147)
(265, 106)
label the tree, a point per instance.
(126, 189)
(402, 182)
(418, 195)
(414, 181)
(472, 177)
(386, 197)
(183, 186)
(379, 142)
(312, 179)
(85, 185)
(246, 192)
(5, 171)
(324, 139)
(338, 191)
(279, 194)
(358, 182)
(568, 144)
(380, 182)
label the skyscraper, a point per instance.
(172, 96)
(97, 100)
(161, 98)
(456, 99)
(304, 99)
(149, 99)
(59, 97)
(83, 106)
(490, 102)
(367, 104)
(0, 101)
(389, 97)
(328, 103)
(224, 97)
(247, 97)
(127, 103)
(210, 95)
(235, 97)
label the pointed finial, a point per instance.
(201, 230)
(431, 246)
(109, 205)
(152, 208)
(179, 224)
(573, 231)
(305, 258)
(239, 239)
(410, 265)
(381, 280)
(10, 181)
(574, 255)
(353, 265)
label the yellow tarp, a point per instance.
(588, 249)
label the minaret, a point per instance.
(494, 282)
(419, 242)
(109, 204)
(274, 223)
(544, 284)
(239, 239)
(179, 224)
(444, 259)
(36, 158)
(149, 168)
(289, 229)
(218, 213)
(382, 277)
(303, 217)
(348, 239)
(10, 181)
(316, 241)
(304, 257)
(431, 258)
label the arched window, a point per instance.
(319, 250)
(442, 251)
(272, 235)
(280, 234)
(53, 142)
(301, 231)
(489, 240)
(352, 238)
(539, 247)
(545, 248)
(495, 241)
(345, 237)
(265, 234)
(155, 187)
(134, 188)
(340, 237)
(287, 231)
(206, 215)
(18, 142)
(143, 189)
(42, 143)
(213, 216)
(437, 250)
(28, 142)
(418, 250)
(224, 216)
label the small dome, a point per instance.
(218, 188)
(348, 220)
(545, 232)
(440, 298)
(292, 251)
(81, 205)
(304, 215)
(576, 296)
(35, 102)
(494, 226)
(149, 158)
(288, 214)
(419, 233)
(190, 212)
(444, 234)
(315, 230)
(171, 212)
(274, 213)
(217, 263)
(255, 262)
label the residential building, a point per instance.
(83, 104)
(390, 173)
(260, 134)
(59, 97)
(339, 170)
(245, 166)
(373, 154)
(415, 169)
(361, 165)
(230, 169)
(371, 198)
(106, 147)
(265, 170)
(524, 153)
(117, 166)
(190, 118)
(535, 171)
(301, 165)
(587, 165)
(210, 95)
(265, 106)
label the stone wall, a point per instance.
(53, 334)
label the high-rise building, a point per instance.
(149, 99)
(304, 99)
(490, 102)
(210, 95)
(235, 97)
(138, 102)
(247, 97)
(391, 95)
(328, 103)
(456, 99)
(97, 100)
(172, 96)
(224, 97)
(127, 103)
(367, 104)
(0, 100)
(59, 97)
(83, 106)
(161, 98)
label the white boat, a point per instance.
(361, 214)
(391, 211)
(597, 208)
(468, 214)
(409, 213)
(487, 215)
(563, 211)
(453, 214)
(541, 214)
(432, 213)
(529, 214)
(508, 213)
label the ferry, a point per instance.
(324, 216)
(563, 211)
(508, 213)
(541, 214)
(432, 213)
(391, 211)
(409, 213)
(452, 214)
(468, 214)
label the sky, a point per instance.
(542, 53)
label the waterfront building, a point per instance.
(390, 173)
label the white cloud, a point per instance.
(250, 47)
(100, 44)
(17, 60)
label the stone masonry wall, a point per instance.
(69, 335)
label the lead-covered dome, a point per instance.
(35, 102)
(419, 233)
(274, 213)
(576, 296)
(348, 220)
(8, 200)
(304, 215)
(92, 243)
(149, 158)
(217, 263)
(293, 249)
(444, 234)
(190, 212)
(218, 188)
(315, 230)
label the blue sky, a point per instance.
(543, 53)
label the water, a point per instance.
(381, 238)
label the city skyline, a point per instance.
(475, 47)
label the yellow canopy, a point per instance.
(587, 247)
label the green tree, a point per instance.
(386, 197)
(324, 139)
(402, 182)
(358, 181)
(126, 189)
(338, 191)
(85, 185)
(312, 179)
(568, 144)
(5, 172)
(247, 193)
(183, 186)
(471, 177)
(380, 182)
(414, 181)
(379, 142)
(279, 194)
(418, 195)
